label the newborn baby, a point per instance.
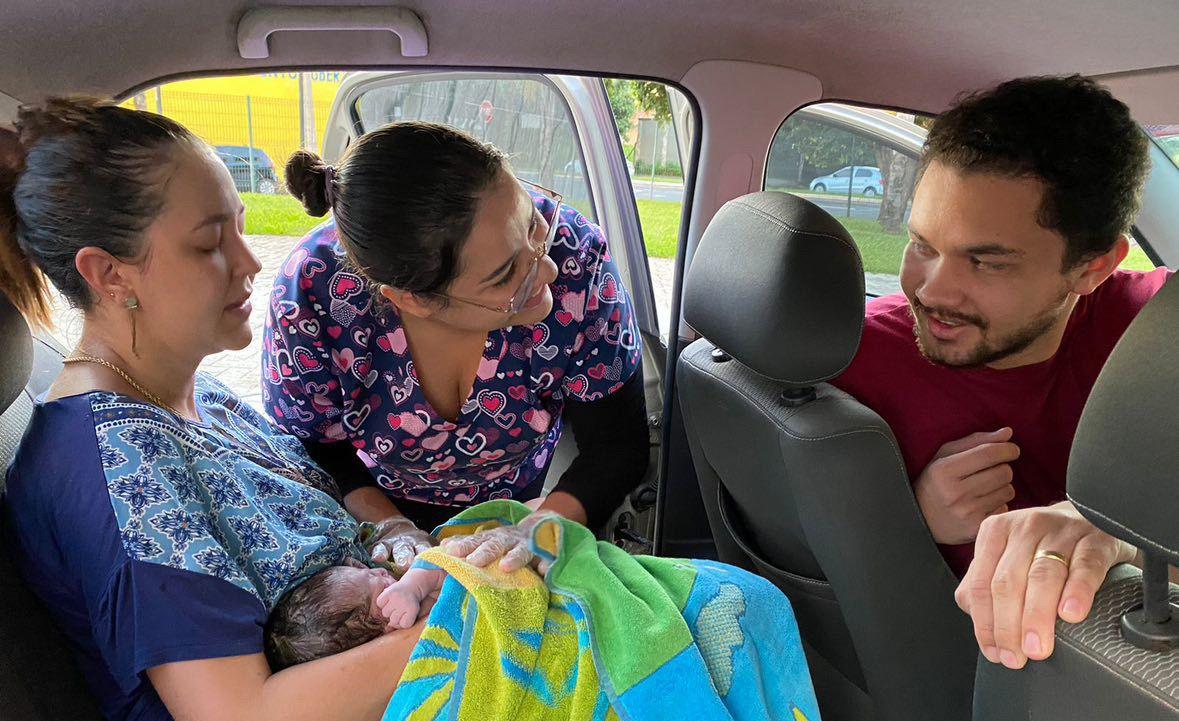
(345, 606)
(342, 607)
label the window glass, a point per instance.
(1167, 138)
(255, 122)
(524, 117)
(653, 122)
(812, 155)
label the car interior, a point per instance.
(756, 460)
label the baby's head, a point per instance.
(329, 613)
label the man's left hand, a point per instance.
(1014, 595)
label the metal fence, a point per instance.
(267, 129)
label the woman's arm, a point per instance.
(352, 686)
(613, 451)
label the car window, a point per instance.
(1167, 138)
(525, 117)
(813, 143)
(644, 113)
(816, 144)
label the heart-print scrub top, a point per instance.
(336, 367)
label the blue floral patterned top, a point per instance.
(154, 540)
(337, 367)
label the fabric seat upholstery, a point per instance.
(39, 680)
(802, 483)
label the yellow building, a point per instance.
(261, 111)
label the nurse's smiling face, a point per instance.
(502, 263)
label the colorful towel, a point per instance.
(607, 636)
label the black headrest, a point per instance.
(16, 353)
(1123, 473)
(777, 283)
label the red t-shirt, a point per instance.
(927, 405)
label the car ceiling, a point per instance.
(917, 54)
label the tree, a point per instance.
(652, 97)
(628, 97)
(899, 173)
(623, 103)
(823, 146)
(548, 129)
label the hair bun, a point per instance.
(307, 180)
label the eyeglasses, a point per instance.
(528, 286)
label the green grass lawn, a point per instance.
(283, 215)
(661, 227)
(276, 215)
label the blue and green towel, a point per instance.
(608, 636)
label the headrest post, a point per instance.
(795, 397)
(1155, 624)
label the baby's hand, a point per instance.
(399, 605)
(401, 601)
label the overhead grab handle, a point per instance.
(257, 25)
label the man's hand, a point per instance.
(1013, 597)
(968, 480)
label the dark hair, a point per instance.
(309, 623)
(404, 198)
(77, 172)
(1067, 132)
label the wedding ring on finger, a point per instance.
(1059, 557)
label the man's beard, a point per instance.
(987, 351)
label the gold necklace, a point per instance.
(156, 400)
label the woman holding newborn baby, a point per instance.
(156, 515)
(161, 519)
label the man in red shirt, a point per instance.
(1011, 304)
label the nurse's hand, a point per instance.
(507, 543)
(397, 541)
